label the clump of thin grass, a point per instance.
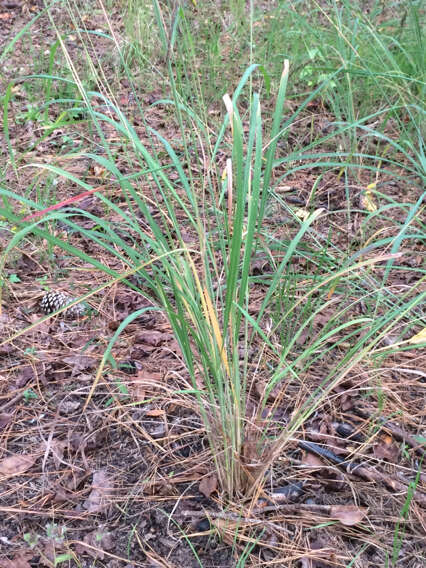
(205, 288)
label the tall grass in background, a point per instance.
(205, 287)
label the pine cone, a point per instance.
(53, 301)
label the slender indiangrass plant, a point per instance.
(204, 284)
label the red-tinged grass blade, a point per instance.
(63, 203)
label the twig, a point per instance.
(11, 402)
(359, 469)
(396, 431)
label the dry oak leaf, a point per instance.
(100, 497)
(151, 337)
(208, 485)
(226, 529)
(17, 464)
(98, 541)
(348, 514)
(58, 448)
(155, 412)
(149, 376)
(311, 460)
(5, 419)
(79, 363)
(137, 385)
(386, 449)
(18, 561)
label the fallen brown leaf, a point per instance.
(57, 448)
(79, 363)
(138, 390)
(208, 485)
(29, 372)
(150, 337)
(155, 412)
(100, 497)
(138, 384)
(17, 464)
(386, 449)
(51, 549)
(149, 376)
(226, 529)
(5, 419)
(98, 541)
(311, 460)
(18, 561)
(347, 514)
